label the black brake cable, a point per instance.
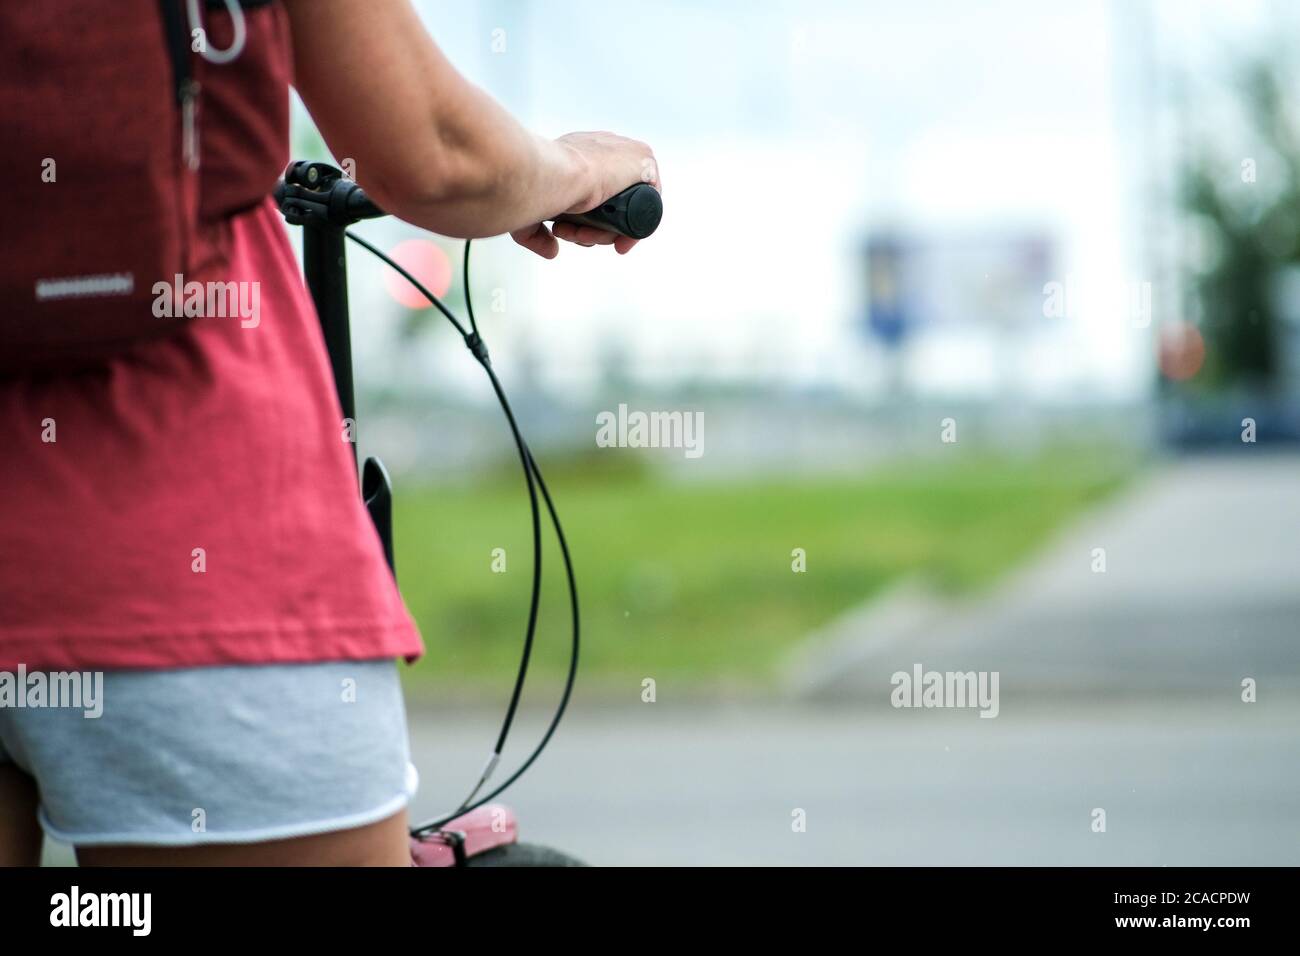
(533, 476)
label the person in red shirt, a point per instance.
(182, 519)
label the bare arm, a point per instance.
(434, 149)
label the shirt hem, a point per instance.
(198, 648)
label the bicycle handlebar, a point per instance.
(318, 194)
(635, 212)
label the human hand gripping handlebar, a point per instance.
(324, 196)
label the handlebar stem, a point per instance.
(318, 194)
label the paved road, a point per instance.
(1119, 690)
(658, 784)
(1201, 589)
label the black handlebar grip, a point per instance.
(635, 212)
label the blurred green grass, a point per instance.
(693, 581)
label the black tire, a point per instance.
(523, 854)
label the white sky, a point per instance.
(785, 130)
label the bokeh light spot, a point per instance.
(1181, 350)
(426, 261)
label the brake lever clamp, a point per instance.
(318, 194)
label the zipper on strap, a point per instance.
(189, 128)
(187, 88)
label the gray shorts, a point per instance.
(236, 754)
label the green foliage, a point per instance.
(694, 581)
(1251, 216)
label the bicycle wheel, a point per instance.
(523, 854)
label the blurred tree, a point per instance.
(1254, 231)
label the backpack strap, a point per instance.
(177, 35)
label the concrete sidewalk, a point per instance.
(1201, 589)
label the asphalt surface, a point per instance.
(1183, 784)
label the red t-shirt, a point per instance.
(194, 502)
